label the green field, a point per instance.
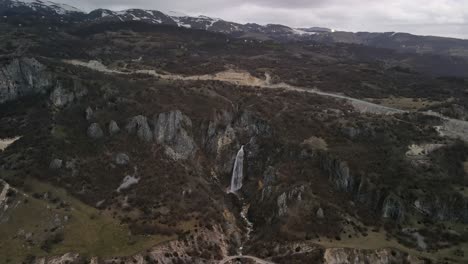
(87, 231)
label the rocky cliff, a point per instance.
(450, 206)
(21, 77)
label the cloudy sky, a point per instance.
(423, 17)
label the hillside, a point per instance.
(136, 141)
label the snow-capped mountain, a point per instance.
(51, 12)
(39, 5)
(148, 16)
(52, 9)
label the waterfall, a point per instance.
(237, 172)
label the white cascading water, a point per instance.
(237, 172)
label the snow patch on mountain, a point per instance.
(181, 24)
(59, 8)
(176, 14)
(303, 32)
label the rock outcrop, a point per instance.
(63, 95)
(172, 130)
(447, 207)
(357, 256)
(95, 131)
(451, 206)
(361, 189)
(56, 164)
(320, 214)
(292, 196)
(113, 128)
(21, 77)
(122, 159)
(69, 258)
(252, 125)
(139, 125)
(227, 131)
(339, 175)
(89, 113)
(393, 208)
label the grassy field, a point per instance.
(379, 240)
(87, 231)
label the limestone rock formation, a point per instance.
(292, 196)
(63, 95)
(361, 189)
(139, 125)
(338, 172)
(172, 130)
(393, 208)
(122, 159)
(21, 77)
(282, 205)
(71, 258)
(89, 113)
(113, 128)
(95, 131)
(253, 125)
(447, 207)
(56, 164)
(320, 214)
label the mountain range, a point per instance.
(404, 42)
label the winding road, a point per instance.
(452, 128)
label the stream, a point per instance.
(243, 214)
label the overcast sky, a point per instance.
(423, 17)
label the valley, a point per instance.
(139, 141)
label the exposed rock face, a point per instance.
(95, 131)
(71, 258)
(72, 165)
(338, 172)
(113, 128)
(127, 182)
(253, 125)
(23, 76)
(442, 207)
(56, 164)
(139, 125)
(224, 133)
(320, 214)
(393, 208)
(61, 97)
(89, 113)
(357, 256)
(292, 196)
(122, 159)
(220, 140)
(449, 207)
(171, 130)
(282, 205)
(362, 189)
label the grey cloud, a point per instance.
(426, 17)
